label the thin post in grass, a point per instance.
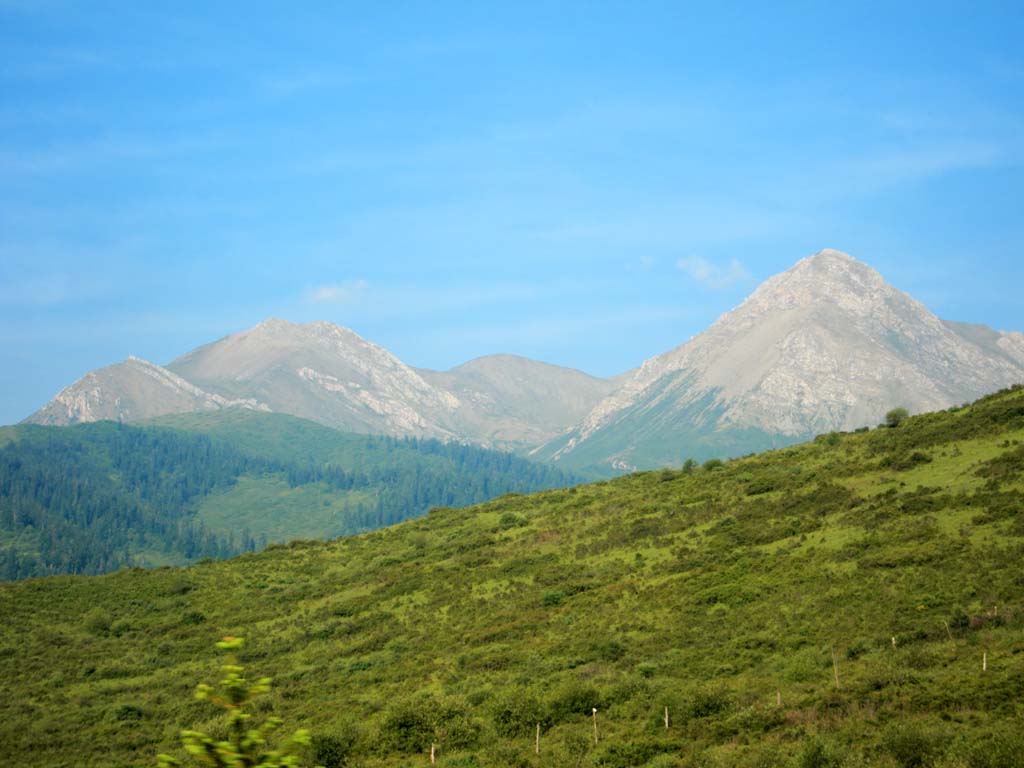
(431, 754)
(536, 741)
(778, 698)
(666, 718)
(984, 661)
(835, 666)
(595, 724)
(949, 634)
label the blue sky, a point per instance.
(587, 184)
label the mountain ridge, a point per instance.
(825, 345)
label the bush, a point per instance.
(1002, 748)
(407, 728)
(127, 712)
(709, 702)
(911, 746)
(573, 700)
(551, 599)
(711, 464)
(517, 714)
(98, 621)
(245, 743)
(333, 751)
(895, 417)
(510, 520)
(815, 754)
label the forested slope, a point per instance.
(95, 497)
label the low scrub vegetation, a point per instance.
(830, 604)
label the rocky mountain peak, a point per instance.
(827, 344)
(827, 277)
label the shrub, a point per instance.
(627, 754)
(407, 728)
(334, 750)
(573, 700)
(127, 712)
(552, 599)
(517, 714)
(510, 520)
(98, 621)
(815, 754)
(245, 744)
(911, 746)
(895, 417)
(711, 464)
(1002, 748)
(709, 702)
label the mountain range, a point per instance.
(827, 345)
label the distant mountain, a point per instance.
(331, 375)
(130, 391)
(506, 400)
(826, 345)
(323, 372)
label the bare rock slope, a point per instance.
(331, 375)
(507, 400)
(826, 345)
(129, 391)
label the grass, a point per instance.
(713, 593)
(266, 505)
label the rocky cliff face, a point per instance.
(129, 391)
(825, 345)
(329, 374)
(323, 372)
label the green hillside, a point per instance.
(96, 497)
(657, 433)
(829, 604)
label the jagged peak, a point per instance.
(274, 324)
(830, 254)
(828, 274)
(830, 262)
(141, 361)
(316, 327)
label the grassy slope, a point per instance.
(657, 433)
(712, 594)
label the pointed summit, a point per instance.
(825, 345)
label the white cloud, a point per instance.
(345, 292)
(713, 275)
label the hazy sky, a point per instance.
(587, 184)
